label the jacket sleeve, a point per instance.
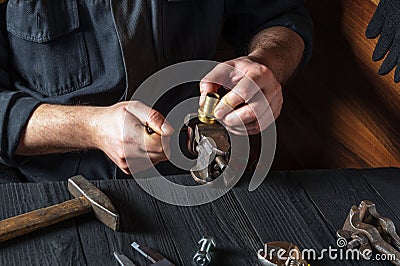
(245, 18)
(15, 107)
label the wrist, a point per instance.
(260, 56)
(278, 48)
(264, 57)
(92, 127)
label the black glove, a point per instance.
(386, 23)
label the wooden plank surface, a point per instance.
(140, 221)
(382, 180)
(282, 199)
(58, 246)
(304, 207)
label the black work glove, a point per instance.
(386, 23)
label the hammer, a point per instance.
(87, 198)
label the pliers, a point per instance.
(154, 257)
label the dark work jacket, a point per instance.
(96, 52)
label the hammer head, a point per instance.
(103, 209)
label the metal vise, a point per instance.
(209, 141)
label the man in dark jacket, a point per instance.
(69, 67)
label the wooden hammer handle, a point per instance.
(34, 220)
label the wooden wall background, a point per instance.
(339, 112)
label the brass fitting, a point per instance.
(206, 111)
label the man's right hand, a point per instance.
(120, 131)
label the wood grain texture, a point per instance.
(339, 112)
(339, 190)
(141, 221)
(382, 180)
(236, 239)
(282, 199)
(55, 245)
(305, 207)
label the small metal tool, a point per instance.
(156, 258)
(123, 260)
(203, 256)
(365, 229)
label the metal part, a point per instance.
(210, 142)
(281, 254)
(366, 229)
(153, 256)
(206, 111)
(203, 256)
(123, 260)
(103, 209)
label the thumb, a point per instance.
(207, 87)
(150, 117)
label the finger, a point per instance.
(125, 170)
(384, 42)
(156, 157)
(250, 129)
(263, 122)
(121, 163)
(242, 92)
(140, 164)
(151, 143)
(397, 72)
(155, 143)
(248, 113)
(238, 132)
(374, 27)
(253, 128)
(390, 60)
(256, 109)
(144, 155)
(136, 134)
(223, 74)
(207, 87)
(150, 117)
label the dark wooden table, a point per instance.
(303, 207)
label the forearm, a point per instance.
(280, 49)
(57, 129)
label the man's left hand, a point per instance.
(255, 97)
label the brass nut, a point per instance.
(206, 111)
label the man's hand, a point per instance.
(252, 83)
(120, 131)
(255, 99)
